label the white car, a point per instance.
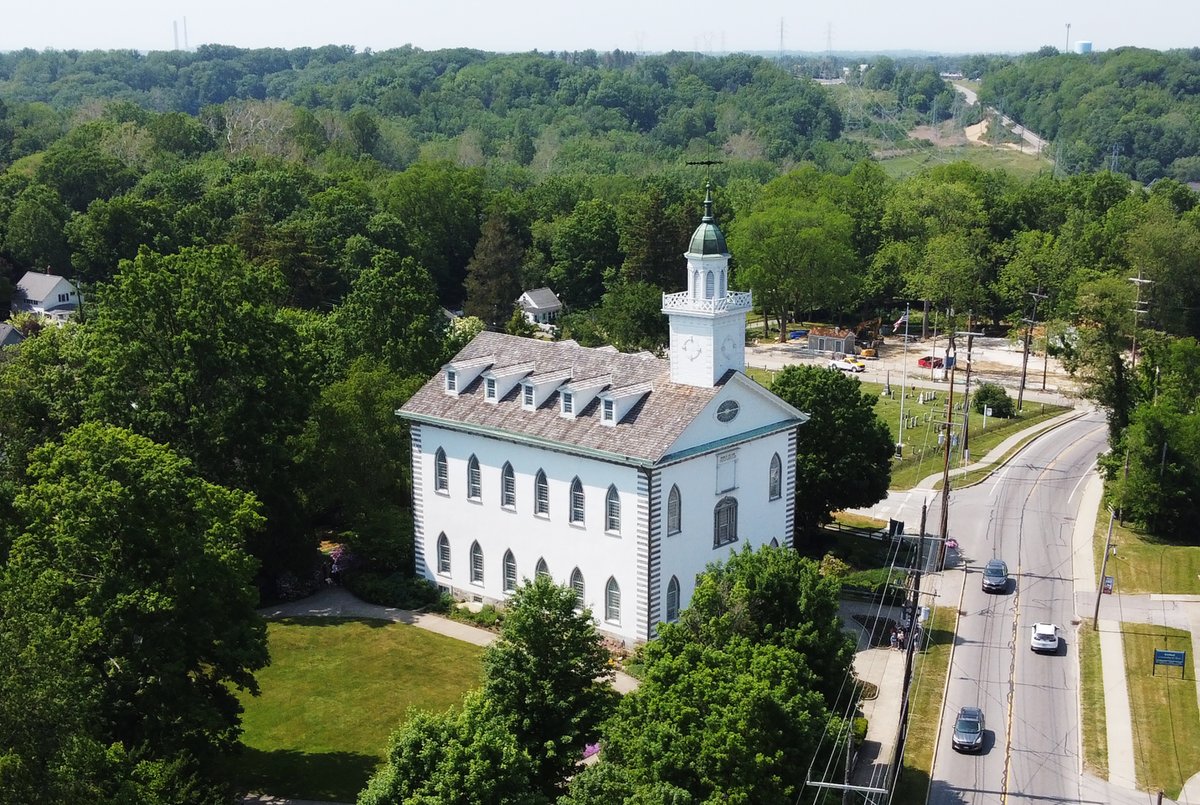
(1044, 637)
(845, 366)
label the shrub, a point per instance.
(833, 566)
(395, 590)
(860, 731)
(487, 617)
(991, 395)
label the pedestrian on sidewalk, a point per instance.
(894, 641)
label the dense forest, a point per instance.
(1133, 110)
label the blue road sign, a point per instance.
(1175, 658)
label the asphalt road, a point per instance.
(1025, 516)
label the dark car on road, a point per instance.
(995, 577)
(968, 730)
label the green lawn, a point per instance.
(1166, 722)
(925, 709)
(922, 454)
(1091, 695)
(334, 692)
(1145, 563)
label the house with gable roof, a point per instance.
(540, 306)
(47, 295)
(622, 475)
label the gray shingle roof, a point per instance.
(9, 335)
(542, 298)
(643, 435)
(35, 285)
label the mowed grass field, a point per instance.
(1145, 563)
(1162, 700)
(335, 690)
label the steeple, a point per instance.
(708, 321)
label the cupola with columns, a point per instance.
(707, 321)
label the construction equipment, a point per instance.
(866, 333)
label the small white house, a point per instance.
(621, 475)
(47, 295)
(540, 306)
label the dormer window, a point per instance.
(609, 412)
(568, 402)
(527, 398)
(451, 380)
(490, 389)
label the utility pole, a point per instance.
(903, 386)
(945, 524)
(1037, 297)
(966, 450)
(1103, 567)
(1139, 307)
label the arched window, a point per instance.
(577, 586)
(723, 281)
(673, 599)
(541, 495)
(612, 511)
(508, 487)
(473, 479)
(542, 569)
(510, 572)
(725, 522)
(443, 554)
(576, 502)
(476, 563)
(673, 511)
(774, 542)
(441, 475)
(709, 285)
(775, 478)
(612, 601)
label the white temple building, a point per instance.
(622, 475)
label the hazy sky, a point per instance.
(637, 25)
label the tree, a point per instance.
(993, 396)
(734, 697)
(188, 350)
(796, 255)
(129, 615)
(354, 462)
(1097, 355)
(549, 677)
(630, 317)
(494, 273)
(34, 235)
(844, 450)
(586, 243)
(392, 314)
(464, 758)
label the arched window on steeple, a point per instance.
(723, 283)
(709, 285)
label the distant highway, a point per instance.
(1039, 145)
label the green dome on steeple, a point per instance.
(707, 239)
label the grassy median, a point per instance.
(925, 706)
(1091, 700)
(1162, 701)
